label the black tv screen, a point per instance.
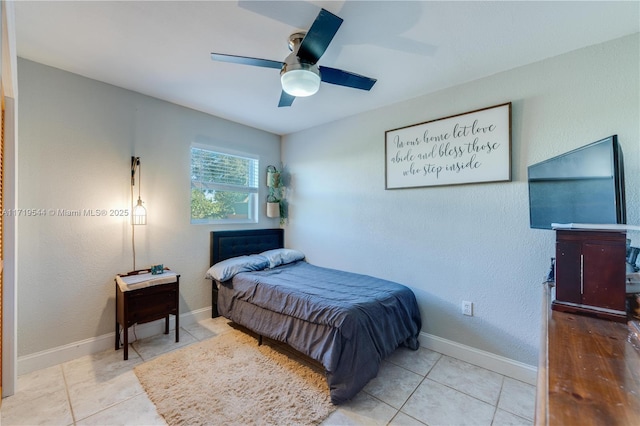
(585, 185)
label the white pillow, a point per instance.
(227, 269)
(277, 257)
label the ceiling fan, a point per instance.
(300, 75)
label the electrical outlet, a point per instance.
(467, 308)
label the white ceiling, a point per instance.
(162, 48)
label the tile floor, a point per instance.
(412, 388)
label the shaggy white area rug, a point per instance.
(230, 380)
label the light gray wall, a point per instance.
(470, 242)
(77, 137)
(448, 244)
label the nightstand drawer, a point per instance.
(150, 307)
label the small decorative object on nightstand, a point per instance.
(143, 297)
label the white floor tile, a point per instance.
(100, 367)
(40, 409)
(420, 361)
(393, 384)
(401, 419)
(478, 382)
(41, 399)
(101, 389)
(436, 404)
(208, 328)
(153, 346)
(89, 397)
(363, 409)
(136, 411)
(503, 418)
(38, 383)
(518, 398)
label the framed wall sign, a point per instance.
(473, 147)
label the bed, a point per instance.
(348, 322)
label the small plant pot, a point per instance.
(273, 209)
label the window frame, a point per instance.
(252, 192)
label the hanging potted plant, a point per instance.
(273, 206)
(276, 204)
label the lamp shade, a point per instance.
(139, 215)
(300, 79)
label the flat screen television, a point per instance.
(585, 185)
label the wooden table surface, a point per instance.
(593, 372)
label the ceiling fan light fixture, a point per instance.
(299, 73)
(300, 79)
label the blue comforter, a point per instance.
(348, 322)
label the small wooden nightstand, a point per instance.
(142, 297)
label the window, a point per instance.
(224, 186)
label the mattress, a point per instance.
(348, 322)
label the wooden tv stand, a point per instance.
(589, 370)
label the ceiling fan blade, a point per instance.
(285, 99)
(245, 60)
(319, 36)
(345, 78)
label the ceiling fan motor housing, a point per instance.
(299, 78)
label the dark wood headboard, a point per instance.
(226, 244)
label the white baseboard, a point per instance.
(55, 356)
(508, 367)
